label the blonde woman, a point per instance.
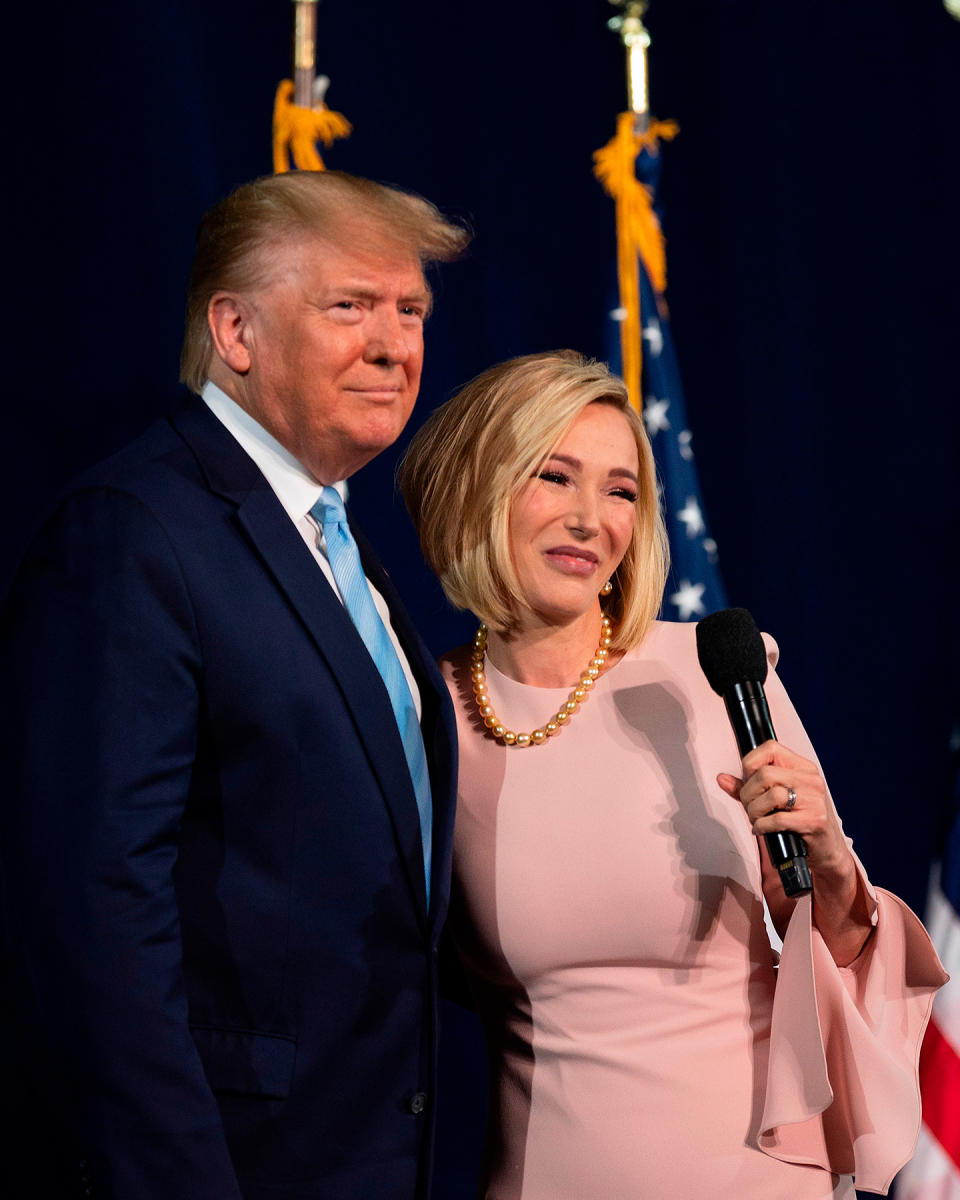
(609, 884)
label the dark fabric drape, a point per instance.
(810, 209)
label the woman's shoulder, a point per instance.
(678, 639)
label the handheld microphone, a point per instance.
(734, 660)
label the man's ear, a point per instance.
(228, 317)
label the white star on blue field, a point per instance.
(653, 336)
(655, 416)
(689, 600)
(692, 517)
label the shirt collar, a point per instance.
(295, 487)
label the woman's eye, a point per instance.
(553, 476)
(626, 494)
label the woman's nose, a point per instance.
(583, 517)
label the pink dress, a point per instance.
(607, 906)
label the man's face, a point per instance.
(336, 347)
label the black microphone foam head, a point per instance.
(731, 649)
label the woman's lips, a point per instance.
(572, 560)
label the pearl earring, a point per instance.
(607, 588)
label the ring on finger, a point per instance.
(791, 800)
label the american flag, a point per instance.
(934, 1171)
(694, 587)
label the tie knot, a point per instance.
(329, 509)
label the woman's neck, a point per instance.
(546, 655)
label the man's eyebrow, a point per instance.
(366, 291)
(363, 291)
(420, 296)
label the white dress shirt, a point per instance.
(298, 492)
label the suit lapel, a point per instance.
(232, 474)
(438, 723)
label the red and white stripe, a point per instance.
(934, 1171)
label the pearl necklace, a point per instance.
(567, 709)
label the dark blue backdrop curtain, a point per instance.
(810, 207)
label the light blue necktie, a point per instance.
(347, 569)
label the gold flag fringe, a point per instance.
(638, 233)
(296, 131)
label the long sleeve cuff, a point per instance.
(842, 1090)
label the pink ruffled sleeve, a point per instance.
(842, 1090)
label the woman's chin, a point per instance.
(566, 611)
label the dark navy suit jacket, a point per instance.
(220, 960)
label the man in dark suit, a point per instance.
(228, 788)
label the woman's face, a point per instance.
(572, 522)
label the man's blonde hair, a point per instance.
(466, 465)
(236, 236)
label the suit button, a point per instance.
(417, 1103)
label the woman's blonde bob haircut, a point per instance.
(466, 465)
(238, 238)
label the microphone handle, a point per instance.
(750, 718)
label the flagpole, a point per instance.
(301, 117)
(634, 204)
(304, 51)
(636, 40)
